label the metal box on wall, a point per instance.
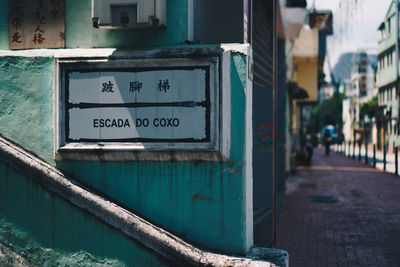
(129, 13)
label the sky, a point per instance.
(356, 25)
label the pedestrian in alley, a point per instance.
(327, 142)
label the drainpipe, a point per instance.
(275, 123)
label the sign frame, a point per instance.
(86, 149)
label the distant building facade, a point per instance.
(388, 96)
(359, 89)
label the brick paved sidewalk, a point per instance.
(341, 212)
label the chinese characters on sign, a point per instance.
(36, 24)
(163, 85)
(168, 105)
(135, 86)
(107, 87)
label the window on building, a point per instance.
(393, 55)
(389, 20)
(379, 63)
(393, 52)
(387, 94)
(385, 61)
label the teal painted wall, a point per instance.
(200, 201)
(26, 103)
(3, 24)
(50, 231)
(79, 31)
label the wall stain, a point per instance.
(232, 169)
(199, 196)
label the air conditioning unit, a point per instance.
(121, 14)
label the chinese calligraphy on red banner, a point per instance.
(36, 24)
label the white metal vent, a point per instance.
(129, 13)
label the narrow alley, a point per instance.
(341, 212)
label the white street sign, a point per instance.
(146, 105)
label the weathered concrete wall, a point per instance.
(26, 101)
(48, 230)
(20, 246)
(206, 202)
(202, 201)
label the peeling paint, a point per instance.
(237, 48)
(232, 169)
